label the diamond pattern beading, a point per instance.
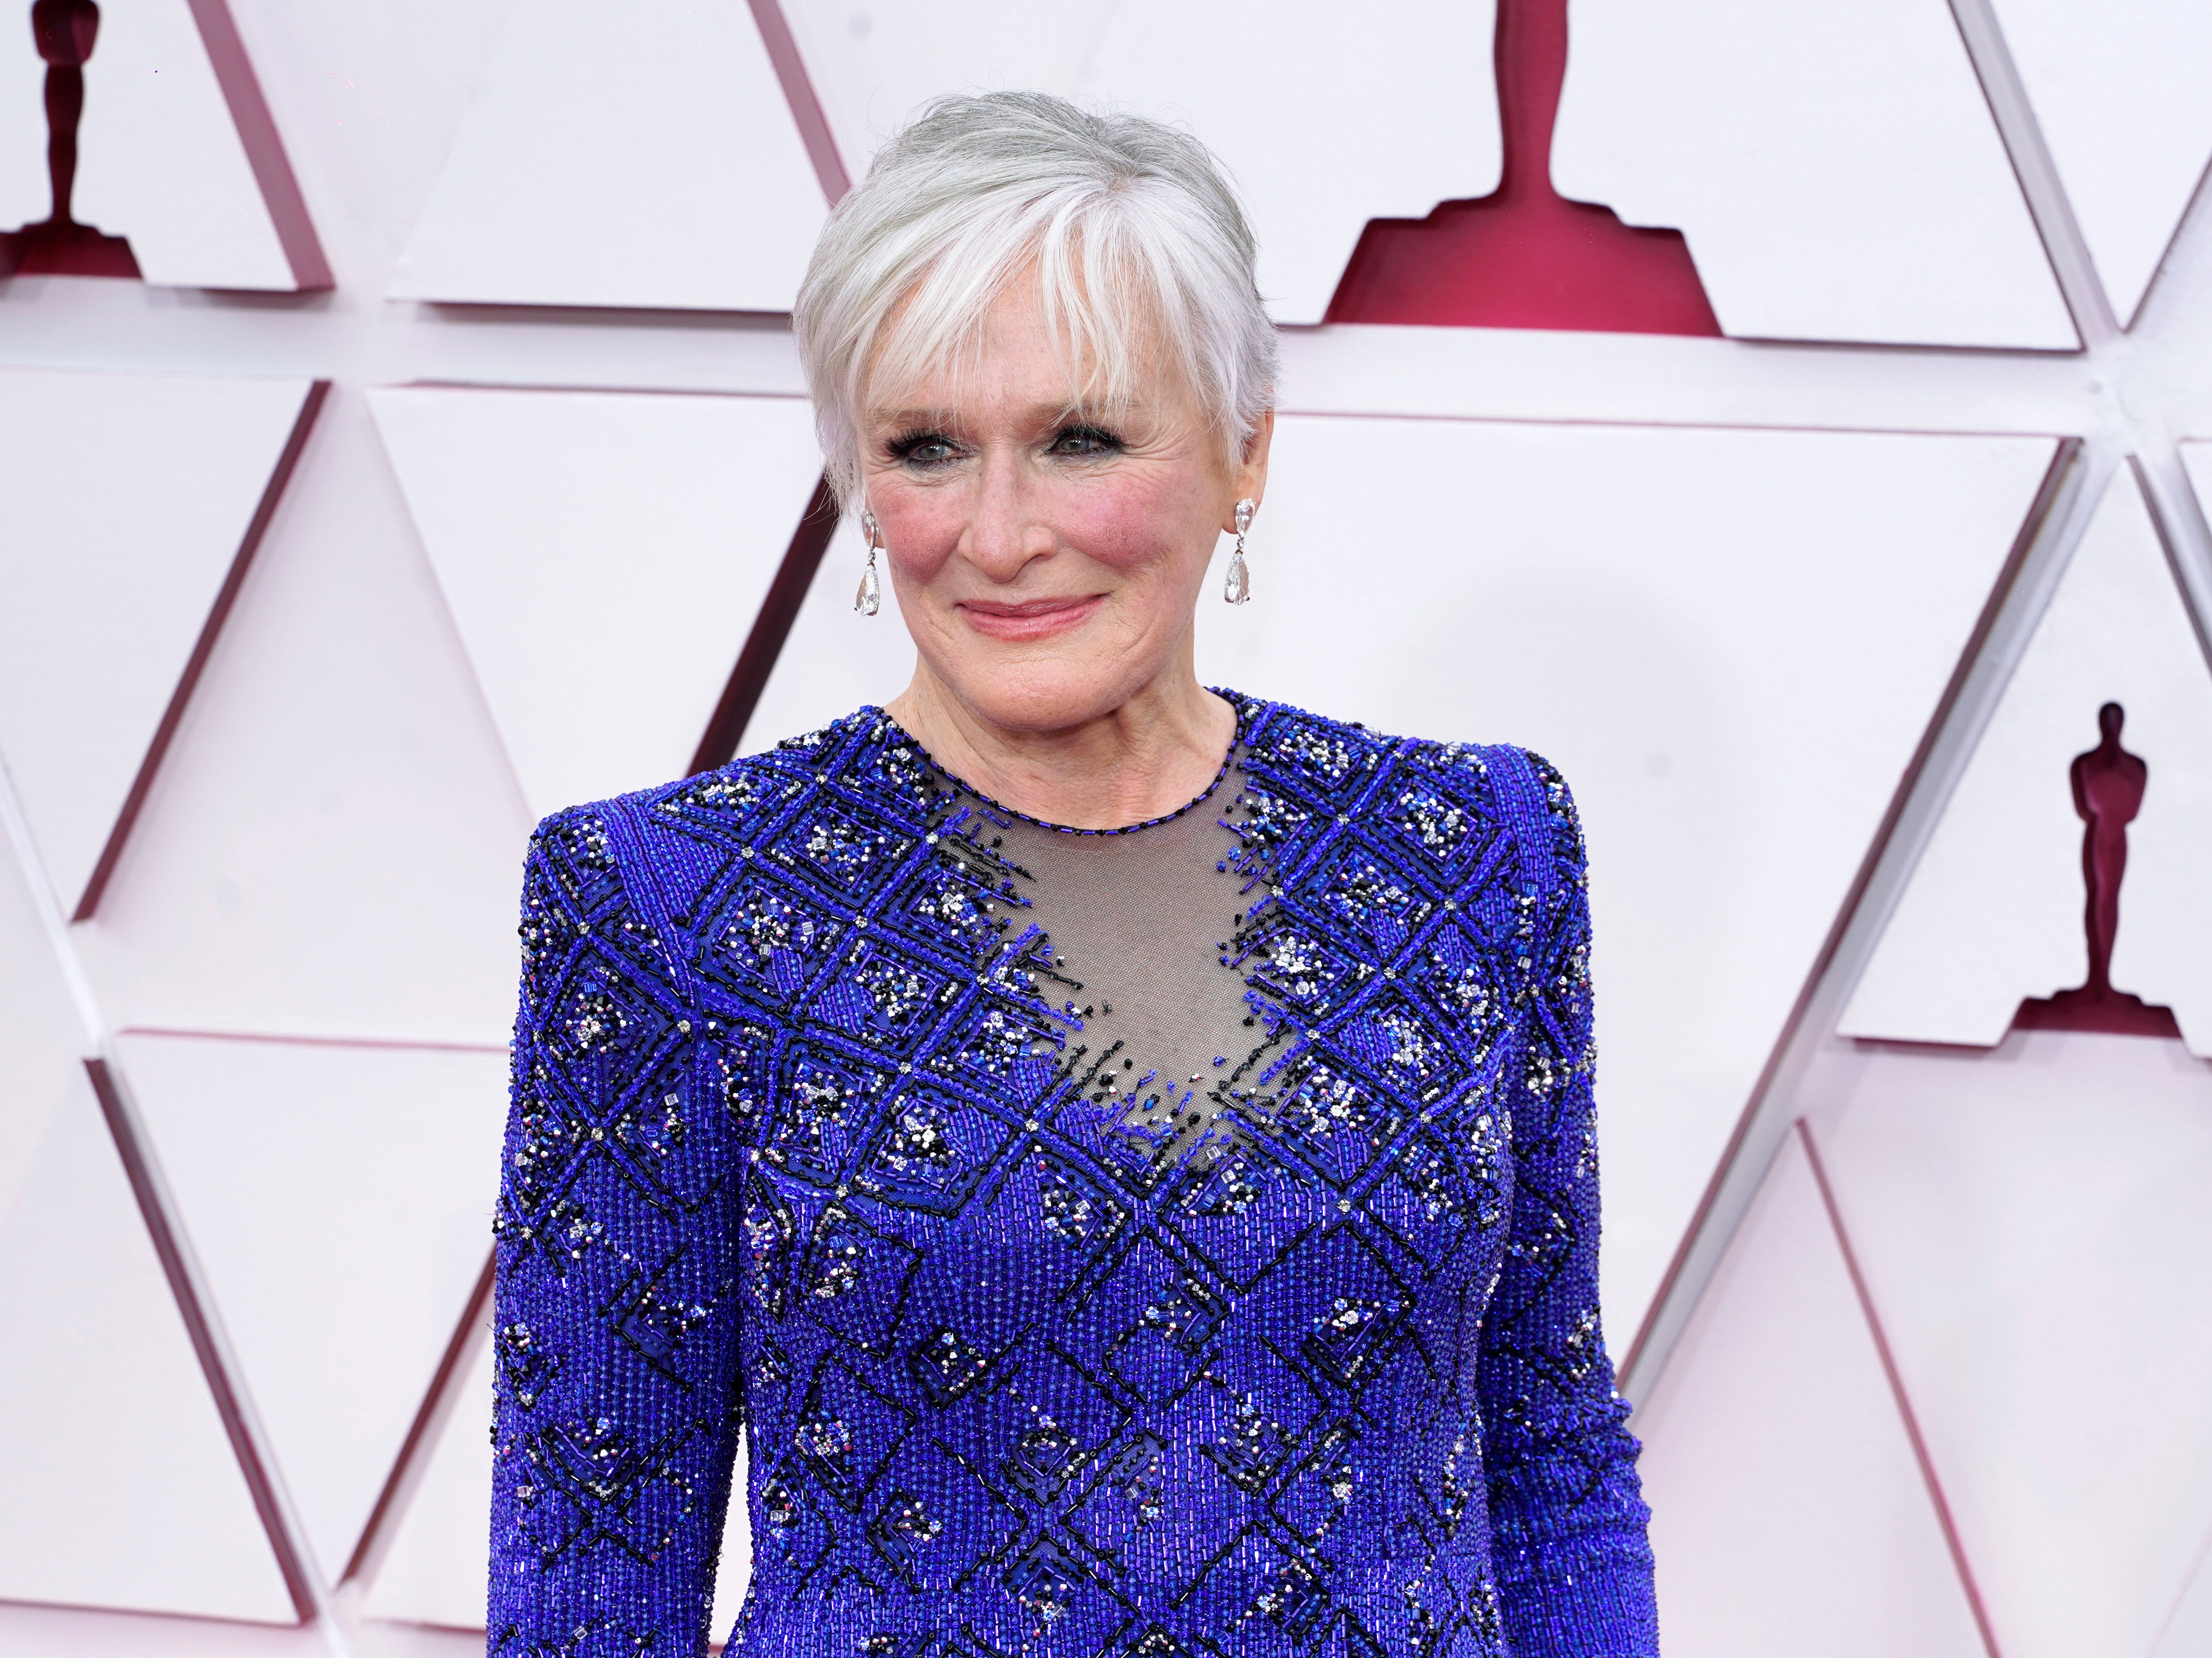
(814, 1133)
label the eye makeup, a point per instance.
(1083, 441)
(922, 448)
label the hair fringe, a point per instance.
(1130, 226)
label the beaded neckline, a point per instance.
(1242, 705)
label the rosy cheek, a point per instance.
(1128, 523)
(921, 528)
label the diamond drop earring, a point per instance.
(870, 598)
(1238, 589)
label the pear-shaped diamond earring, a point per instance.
(1238, 589)
(870, 598)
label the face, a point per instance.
(1047, 561)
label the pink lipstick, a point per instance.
(1032, 619)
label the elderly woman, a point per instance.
(1118, 1153)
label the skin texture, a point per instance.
(1049, 564)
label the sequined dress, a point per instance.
(1049, 1331)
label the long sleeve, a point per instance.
(1567, 1514)
(614, 1324)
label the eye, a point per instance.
(922, 449)
(1084, 442)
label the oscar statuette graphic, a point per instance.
(2109, 785)
(64, 32)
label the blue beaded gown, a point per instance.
(1048, 1332)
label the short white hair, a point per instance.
(1128, 223)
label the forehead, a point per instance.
(1018, 352)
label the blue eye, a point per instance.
(923, 449)
(1085, 441)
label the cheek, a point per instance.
(921, 528)
(1140, 520)
(1136, 521)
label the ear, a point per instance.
(1249, 480)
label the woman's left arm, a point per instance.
(1567, 1515)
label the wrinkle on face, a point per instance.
(996, 483)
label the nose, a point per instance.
(1004, 532)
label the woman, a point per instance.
(1121, 1152)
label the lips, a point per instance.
(1034, 618)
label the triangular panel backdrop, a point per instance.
(1791, 1513)
(91, 656)
(2030, 1236)
(312, 603)
(2117, 89)
(122, 1487)
(1993, 912)
(165, 161)
(659, 168)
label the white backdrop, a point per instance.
(313, 596)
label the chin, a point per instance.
(1044, 695)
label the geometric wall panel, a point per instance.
(2032, 1227)
(622, 154)
(836, 659)
(872, 71)
(122, 1489)
(2197, 457)
(127, 498)
(36, 1631)
(1411, 101)
(1993, 911)
(2188, 1632)
(340, 1201)
(162, 161)
(603, 555)
(434, 1572)
(1412, 119)
(1730, 642)
(2118, 89)
(42, 1036)
(334, 842)
(1835, 169)
(1719, 645)
(1788, 1513)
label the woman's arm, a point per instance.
(1567, 1515)
(615, 1320)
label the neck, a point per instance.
(1156, 751)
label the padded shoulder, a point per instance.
(1428, 787)
(744, 787)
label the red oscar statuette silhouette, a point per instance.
(58, 245)
(2109, 784)
(1524, 256)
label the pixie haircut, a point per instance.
(1127, 224)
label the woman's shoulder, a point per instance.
(1347, 756)
(1436, 793)
(738, 788)
(678, 835)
